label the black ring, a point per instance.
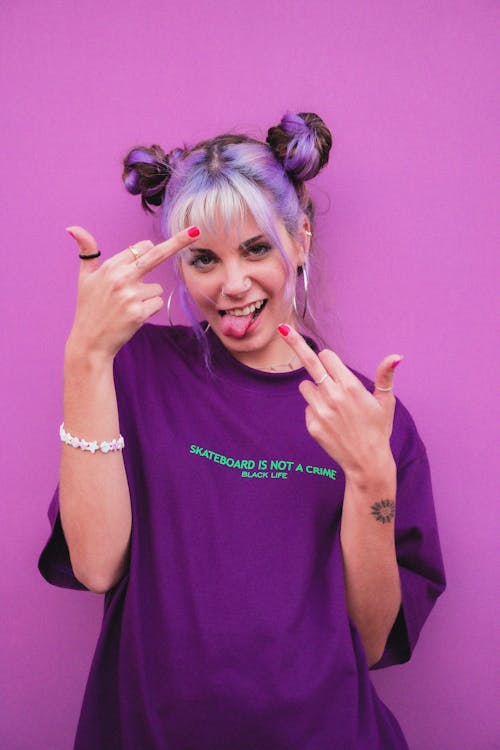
(90, 257)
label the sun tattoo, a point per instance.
(384, 511)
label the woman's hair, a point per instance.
(218, 181)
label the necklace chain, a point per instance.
(288, 365)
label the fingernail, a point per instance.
(194, 232)
(284, 329)
(396, 363)
(70, 232)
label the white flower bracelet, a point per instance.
(93, 446)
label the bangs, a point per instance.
(215, 209)
(218, 206)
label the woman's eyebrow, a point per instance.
(247, 243)
(204, 250)
(243, 245)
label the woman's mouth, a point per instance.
(236, 321)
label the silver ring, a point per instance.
(379, 388)
(222, 293)
(322, 379)
(134, 251)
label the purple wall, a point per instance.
(408, 265)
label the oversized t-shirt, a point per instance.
(230, 630)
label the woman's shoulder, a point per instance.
(154, 345)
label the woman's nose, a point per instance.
(235, 284)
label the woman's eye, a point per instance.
(259, 250)
(202, 261)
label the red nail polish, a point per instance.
(396, 363)
(284, 329)
(194, 232)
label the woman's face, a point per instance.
(238, 280)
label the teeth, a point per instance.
(246, 310)
(243, 311)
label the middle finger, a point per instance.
(159, 253)
(318, 371)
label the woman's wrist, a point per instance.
(379, 476)
(79, 356)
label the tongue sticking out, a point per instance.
(236, 325)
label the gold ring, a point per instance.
(134, 251)
(379, 388)
(322, 379)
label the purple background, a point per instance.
(406, 248)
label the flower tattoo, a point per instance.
(384, 511)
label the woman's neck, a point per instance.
(276, 358)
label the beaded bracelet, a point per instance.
(84, 445)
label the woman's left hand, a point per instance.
(351, 424)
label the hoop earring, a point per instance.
(169, 304)
(302, 271)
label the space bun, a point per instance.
(302, 143)
(146, 172)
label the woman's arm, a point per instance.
(369, 554)
(94, 500)
(354, 427)
(93, 491)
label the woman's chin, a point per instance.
(257, 349)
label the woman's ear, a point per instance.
(305, 236)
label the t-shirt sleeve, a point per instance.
(418, 552)
(54, 562)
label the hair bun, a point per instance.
(146, 172)
(302, 143)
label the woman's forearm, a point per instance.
(369, 554)
(93, 493)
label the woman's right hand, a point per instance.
(113, 299)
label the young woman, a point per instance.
(257, 559)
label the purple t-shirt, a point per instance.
(230, 630)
